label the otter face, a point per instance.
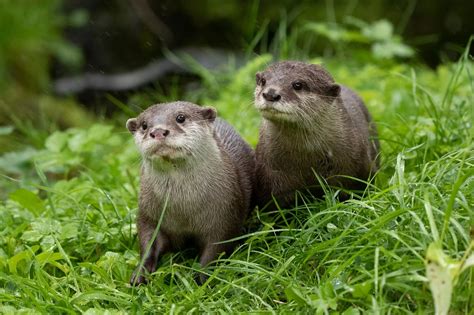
(172, 131)
(294, 91)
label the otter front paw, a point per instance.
(138, 277)
(200, 278)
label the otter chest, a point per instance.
(191, 199)
(300, 165)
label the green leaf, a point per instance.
(69, 230)
(57, 141)
(46, 226)
(48, 257)
(101, 311)
(323, 304)
(380, 30)
(351, 311)
(332, 33)
(328, 290)
(6, 130)
(362, 290)
(77, 142)
(29, 200)
(48, 242)
(24, 255)
(13, 262)
(17, 162)
(100, 295)
(99, 132)
(387, 50)
(31, 236)
(293, 294)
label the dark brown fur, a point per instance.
(207, 189)
(310, 126)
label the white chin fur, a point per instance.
(166, 153)
(275, 110)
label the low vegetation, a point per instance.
(68, 238)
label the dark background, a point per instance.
(50, 41)
(118, 36)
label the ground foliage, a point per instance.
(68, 237)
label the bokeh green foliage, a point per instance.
(31, 41)
(31, 37)
(379, 36)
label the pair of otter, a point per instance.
(200, 179)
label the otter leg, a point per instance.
(210, 252)
(160, 245)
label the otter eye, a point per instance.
(297, 85)
(144, 125)
(180, 118)
(260, 80)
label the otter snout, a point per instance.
(159, 133)
(271, 95)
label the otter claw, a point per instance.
(201, 278)
(138, 277)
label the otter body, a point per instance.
(311, 126)
(202, 170)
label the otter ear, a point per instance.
(316, 67)
(334, 90)
(258, 77)
(209, 113)
(132, 125)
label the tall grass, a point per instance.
(68, 237)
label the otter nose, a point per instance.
(159, 133)
(271, 95)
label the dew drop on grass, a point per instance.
(337, 283)
(331, 226)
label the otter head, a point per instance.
(294, 92)
(173, 132)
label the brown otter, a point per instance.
(201, 170)
(310, 125)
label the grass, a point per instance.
(68, 238)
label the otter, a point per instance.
(197, 176)
(311, 127)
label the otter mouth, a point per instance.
(164, 152)
(271, 112)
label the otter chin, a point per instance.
(274, 112)
(166, 153)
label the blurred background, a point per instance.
(69, 63)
